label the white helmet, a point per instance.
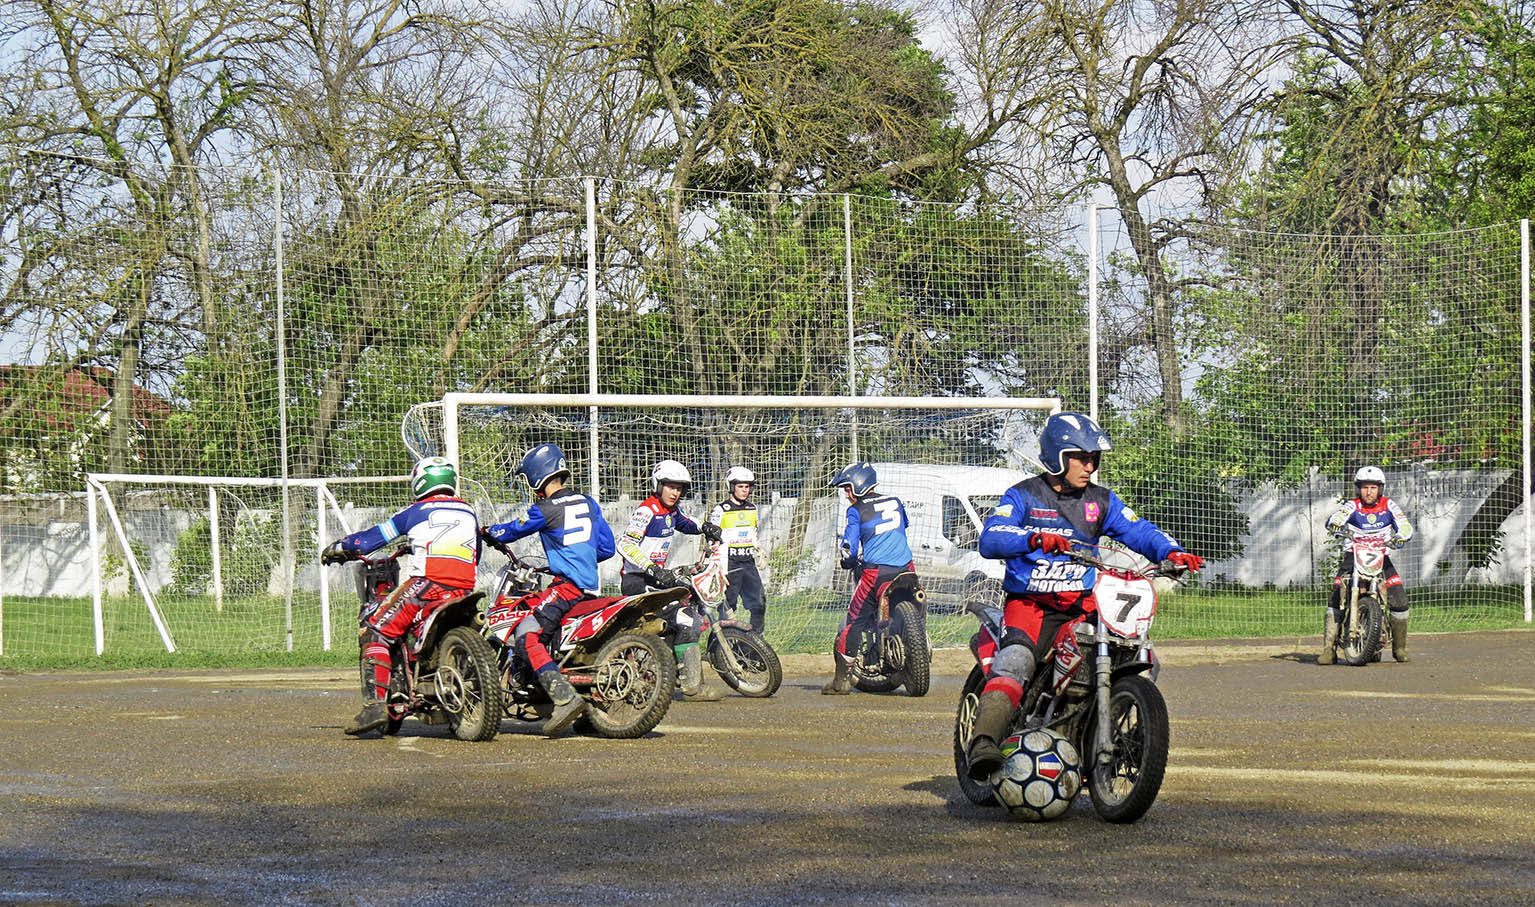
(738, 475)
(1370, 474)
(672, 472)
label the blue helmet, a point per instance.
(1066, 432)
(541, 464)
(858, 477)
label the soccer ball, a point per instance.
(1040, 775)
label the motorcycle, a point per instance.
(1363, 631)
(1092, 688)
(441, 670)
(900, 639)
(743, 658)
(610, 649)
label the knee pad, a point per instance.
(1396, 600)
(1015, 662)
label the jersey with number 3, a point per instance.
(876, 532)
(575, 535)
(444, 539)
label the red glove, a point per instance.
(1049, 543)
(1191, 562)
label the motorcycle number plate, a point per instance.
(1127, 605)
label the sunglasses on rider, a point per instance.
(1085, 456)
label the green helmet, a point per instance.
(434, 475)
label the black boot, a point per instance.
(992, 715)
(840, 685)
(374, 715)
(568, 705)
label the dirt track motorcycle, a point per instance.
(1092, 688)
(900, 639)
(441, 670)
(742, 657)
(1361, 634)
(610, 649)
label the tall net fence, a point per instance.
(230, 323)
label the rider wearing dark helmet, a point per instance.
(1370, 509)
(575, 538)
(445, 549)
(874, 542)
(1032, 528)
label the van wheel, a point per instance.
(981, 589)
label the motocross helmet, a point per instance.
(1368, 475)
(859, 478)
(670, 472)
(739, 475)
(542, 463)
(1065, 432)
(433, 475)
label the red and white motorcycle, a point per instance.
(610, 649)
(1096, 688)
(1363, 629)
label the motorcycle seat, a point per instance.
(590, 605)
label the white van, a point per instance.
(946, 506)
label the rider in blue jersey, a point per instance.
(1032, 528)
(575, 538)
(874, 542)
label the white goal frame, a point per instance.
(451, 403)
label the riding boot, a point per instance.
(1329, 638)
(992, 715)
(568, 705)
(1399, 638)
(374, 715)
(694, 686)
(840, 685)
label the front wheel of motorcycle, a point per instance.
(977, 792)
(635, 675)
(469, 685)
(1126, 786)
(1358, 648)
(761, 672)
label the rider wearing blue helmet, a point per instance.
(1032, 528)
(575, 538)
(875, 544)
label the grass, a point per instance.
(56, 633)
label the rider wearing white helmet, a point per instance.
(1370, 509)
(737, 518)
(647, 544)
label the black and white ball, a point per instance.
(1040, 775)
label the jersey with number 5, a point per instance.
(444, 539)
(575, 535)
(876, 531)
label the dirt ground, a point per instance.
(1287, 783)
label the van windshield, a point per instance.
(984, 504)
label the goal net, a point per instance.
(948, 459)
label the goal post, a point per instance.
(948, 458)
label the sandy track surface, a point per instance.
(1287, 783)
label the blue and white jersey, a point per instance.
(575, 536)
(876, 532)
(444, 539)
(1383, 514)
(647, 539)
(1085, 516)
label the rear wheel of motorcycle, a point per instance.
(635, 676)
(1358, 648)
(908, 625)
(761, 672)
(1125, 788)
(469, 684)
(977, 792)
